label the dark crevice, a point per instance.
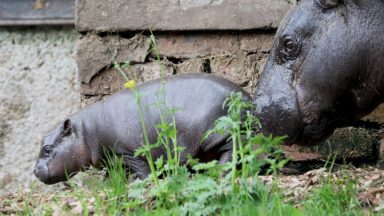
(174, 71)
(244, 84)
(252, 53)
(207, 66)
(153, 58)
(369, 125)
(175, 60)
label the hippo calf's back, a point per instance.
(197, 99)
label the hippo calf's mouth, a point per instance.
(42, 173)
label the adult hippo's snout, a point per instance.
(277, 106)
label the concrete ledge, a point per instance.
(37, 12)
(173, 15)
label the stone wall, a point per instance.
(226, 38)
(237, 56)
(38, 88)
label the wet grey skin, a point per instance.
(325, 69)
(78, 142)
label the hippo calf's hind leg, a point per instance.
(226, 155)
(137, 165)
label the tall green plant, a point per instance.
(249, 149)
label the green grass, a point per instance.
(334, 198)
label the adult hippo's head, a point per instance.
(325, 69)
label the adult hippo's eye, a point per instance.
(327, 4)
(289, 48)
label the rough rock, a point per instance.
(95, 53)
(197, 65)
(242, 69)
(377, 115)
(110, 80)
(152, 70)
(260, 42)
(381, 153)
(200, 45)
(346, 143)
(137, 15)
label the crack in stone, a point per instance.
(188, 4)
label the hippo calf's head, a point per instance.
(325, 69)
(63, 154)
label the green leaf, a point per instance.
(205, 166)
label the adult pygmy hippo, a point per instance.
(326, 69)
(78, 142)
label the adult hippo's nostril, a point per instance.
(277, 107)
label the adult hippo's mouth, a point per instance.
(313, 134)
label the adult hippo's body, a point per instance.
(325, 70)
(78, 142)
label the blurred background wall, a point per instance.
(38, 88)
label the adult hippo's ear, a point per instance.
(67, 127)
(327, 4)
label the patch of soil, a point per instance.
(369, 183)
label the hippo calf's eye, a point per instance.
(327, 4)
(47, 150)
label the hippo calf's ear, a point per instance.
(67, 127)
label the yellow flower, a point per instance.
(130, 84)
